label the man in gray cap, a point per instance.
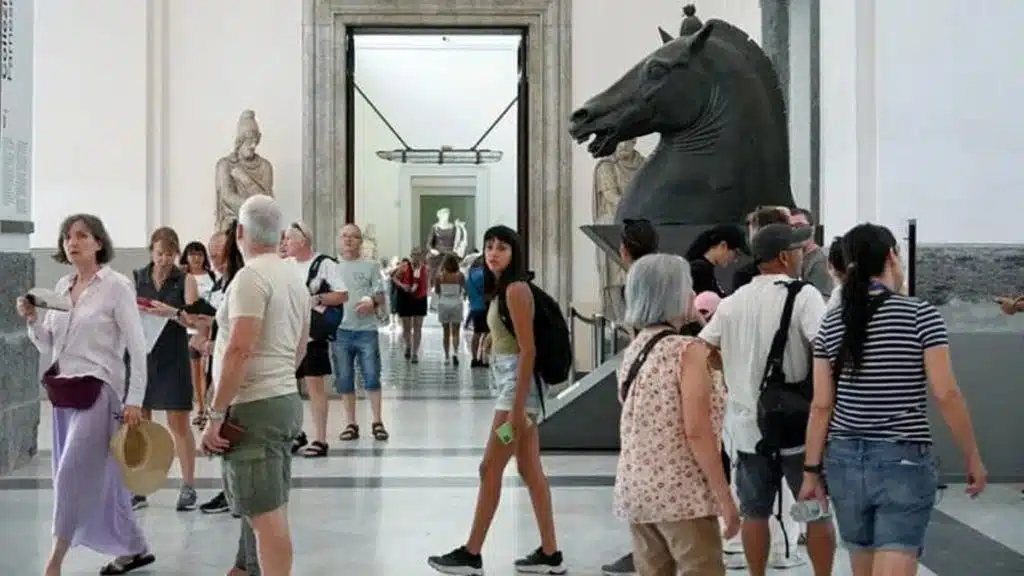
(742, 330)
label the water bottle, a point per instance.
(805, 511)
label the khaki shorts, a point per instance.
(258, 471)
(684, 548)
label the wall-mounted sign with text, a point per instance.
(16, 110)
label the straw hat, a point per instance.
(144, 453)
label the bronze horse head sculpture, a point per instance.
(714, 98)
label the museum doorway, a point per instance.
(436, 138)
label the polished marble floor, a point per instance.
(378, 509)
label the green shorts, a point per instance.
(258, 471)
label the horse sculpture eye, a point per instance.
(656, 70)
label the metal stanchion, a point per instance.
(911, 257)
(614, 329)
(571, 319)
(598, 339)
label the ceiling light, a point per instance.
(442, 156)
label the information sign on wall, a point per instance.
(15, 110)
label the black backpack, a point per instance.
(322, 325)
(783, 407)
(551, 334)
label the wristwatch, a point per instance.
(814, 468)
(215, 415)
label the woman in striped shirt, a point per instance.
(875, 358)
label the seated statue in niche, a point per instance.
(243, 173)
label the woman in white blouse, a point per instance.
(84, 348)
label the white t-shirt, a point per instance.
(743, 328)
(327, 272)
(266, 288)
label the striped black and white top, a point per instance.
(887, 397)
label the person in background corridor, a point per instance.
(84, 349)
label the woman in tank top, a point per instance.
(196, 263)
(450, 289)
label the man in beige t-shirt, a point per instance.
(264, 323)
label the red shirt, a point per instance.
(419, 282)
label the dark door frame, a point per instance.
(522, 109)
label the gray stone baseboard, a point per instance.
(19, 369)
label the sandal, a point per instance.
(299, 442)
(351, 432)
(379, 432)
(126, 565)
(316, 449)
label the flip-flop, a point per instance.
(136, 562)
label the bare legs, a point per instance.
(455, 326)
(198, 385)
(407, 335)
(317, 390)
(526, 448)
(184, 445)
(883, 563)
(273, 542)
(57, 555)
(449, 338)
(757, 546)
(416, 337)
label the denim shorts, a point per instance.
(759, 482)
(503, 382)
(352, 347)
(882, 492)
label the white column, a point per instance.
(16, 60)
(849, 140)
(157, 208)
(799, 103)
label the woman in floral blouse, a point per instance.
(670, 484)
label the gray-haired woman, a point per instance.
(670, 484)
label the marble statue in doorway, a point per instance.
(369, 248)
(243, 173)
(612, 175)
(461, 238)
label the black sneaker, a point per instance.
(537, 562)
(187, 499)
(139, 502)
(217, 505)
(621, 567)
(458, 562)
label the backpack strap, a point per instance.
(778, 349)
(638, 362)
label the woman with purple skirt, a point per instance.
(85, 380)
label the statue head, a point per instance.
(248, 135)
(626, 149)
(443, 215)
(665, 92)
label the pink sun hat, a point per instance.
(706, 303)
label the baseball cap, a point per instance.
(706, 303)
(774, 239)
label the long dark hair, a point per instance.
(835, 255)
(639, 238)
(195, 246)
(516, 270)
(232, 252)
(866, 249)
(712, 237)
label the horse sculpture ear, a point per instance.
(700, 38)
(665, 36)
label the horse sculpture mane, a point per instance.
(715, 99)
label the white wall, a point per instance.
(609, 37)
(136, 100)
(433, 92)
(90, 117)
(921, 118)
(950, 132)
(223, 57)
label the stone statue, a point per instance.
(461, 238)
(440, 240)
(243, 173)
(369, 248)
(611, 176)
(714, 98)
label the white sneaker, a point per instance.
(779, 561)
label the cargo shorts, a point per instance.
(258, 471)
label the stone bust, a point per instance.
(243, 173)
(611, 176)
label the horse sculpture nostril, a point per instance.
(581, 115)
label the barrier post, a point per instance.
(598, 333)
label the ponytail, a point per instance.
(855, 299)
